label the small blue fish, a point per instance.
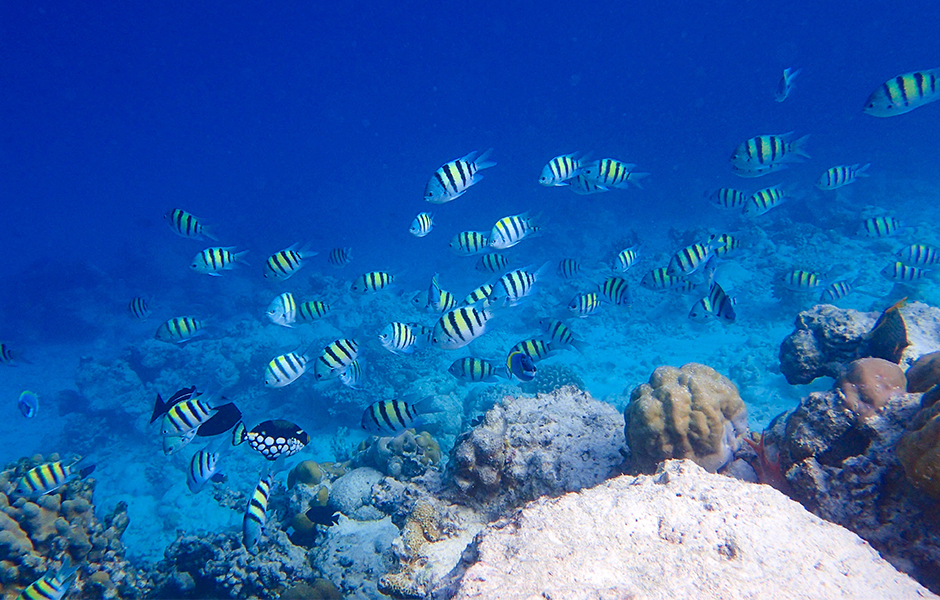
(28, 404)
(786, 84)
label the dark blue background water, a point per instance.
(322, 121)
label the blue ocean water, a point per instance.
(322, 124)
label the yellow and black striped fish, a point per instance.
(763, 201)
(724, 244)
(51, 586)
(473, 370)
(340, 257)
(561, 336)
(492, 263)
(212, 260)
(139, 308)
(836, 291)
(562, 168)
(372, 281)
(440, 300)
(179, 330)
(398, 338)
(285, 369)
(837, 177)
(389, 417)
(351, 376)
(256, 514)
(513, 287)
(689, 259)
(728, 198)
(536, 349)
(879, 227)
(761, 153)
(616, 290)
(457, 328)
(509, 231)
(569, 268)
(585, 304)
(186, 415)
(186, 225)
(204, 466)
(799, 280)
(311, 310)
(919, 255)
(626, 258)
(284, 263)
(658, 279)
(717, 304)
(469, 243)
(480, 294)
(454, 178)
(283, 310)
(609, 173)
(334, 359)
(900, 273)
(422, 225)
(49, 477)
(904, 93)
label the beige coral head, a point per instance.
(867, 384)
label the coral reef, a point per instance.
(692, 412)
(867, 384)
(351, 494)
(919, 451)
(354, 554)
(529, 447)
(551, 377)
(406, 455)
(37, 535)
(924, 376)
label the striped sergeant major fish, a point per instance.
(492, 263)
(837, 177)
(515, 286)
(717, 304)
(311, 310)
(340, 257)
(187, 415)
(658, 279)
(391, 417)
(256, 514)
(626, 258)
(569, 268)
(469, 243)
(585, 304)
(439, 300)
(422, 225)
(335, 358)
(179, 330)
(398, 338)
(785, 85)
(879, 227)
(919, 255)
(561, 336)
(372, 281)
(139, 308)
(535, 349)
(799, 280)
(474, 370)
(616, 290)
(204, 467)
(285, 369)
(836, 291)
(898, 272)
(904, 93)
(51, 476)
(212, 260)
(763, 201)
(186, 225)
(609, 173)
(764, 151)
(283, 310)
(689, 259)
(724, 244)
(509, 231)
(728, 198)
(281, 265)
(561, 169)
(352, 375)
(583, 186)
(52, 585)
(458, 327)
(454, 178)
(9, 356)
(480, 294)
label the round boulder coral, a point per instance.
(693, 412)
(867, 384)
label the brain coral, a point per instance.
(693, 412)
(867, 384)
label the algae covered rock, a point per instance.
(867, 384)
(693, 412)
(919, 451)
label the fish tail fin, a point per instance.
(634, 176)
(860, 171)
(239, 434)
(209, 233)
(483, 162)
(240, 257)
(798, 146)
(427, 405)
